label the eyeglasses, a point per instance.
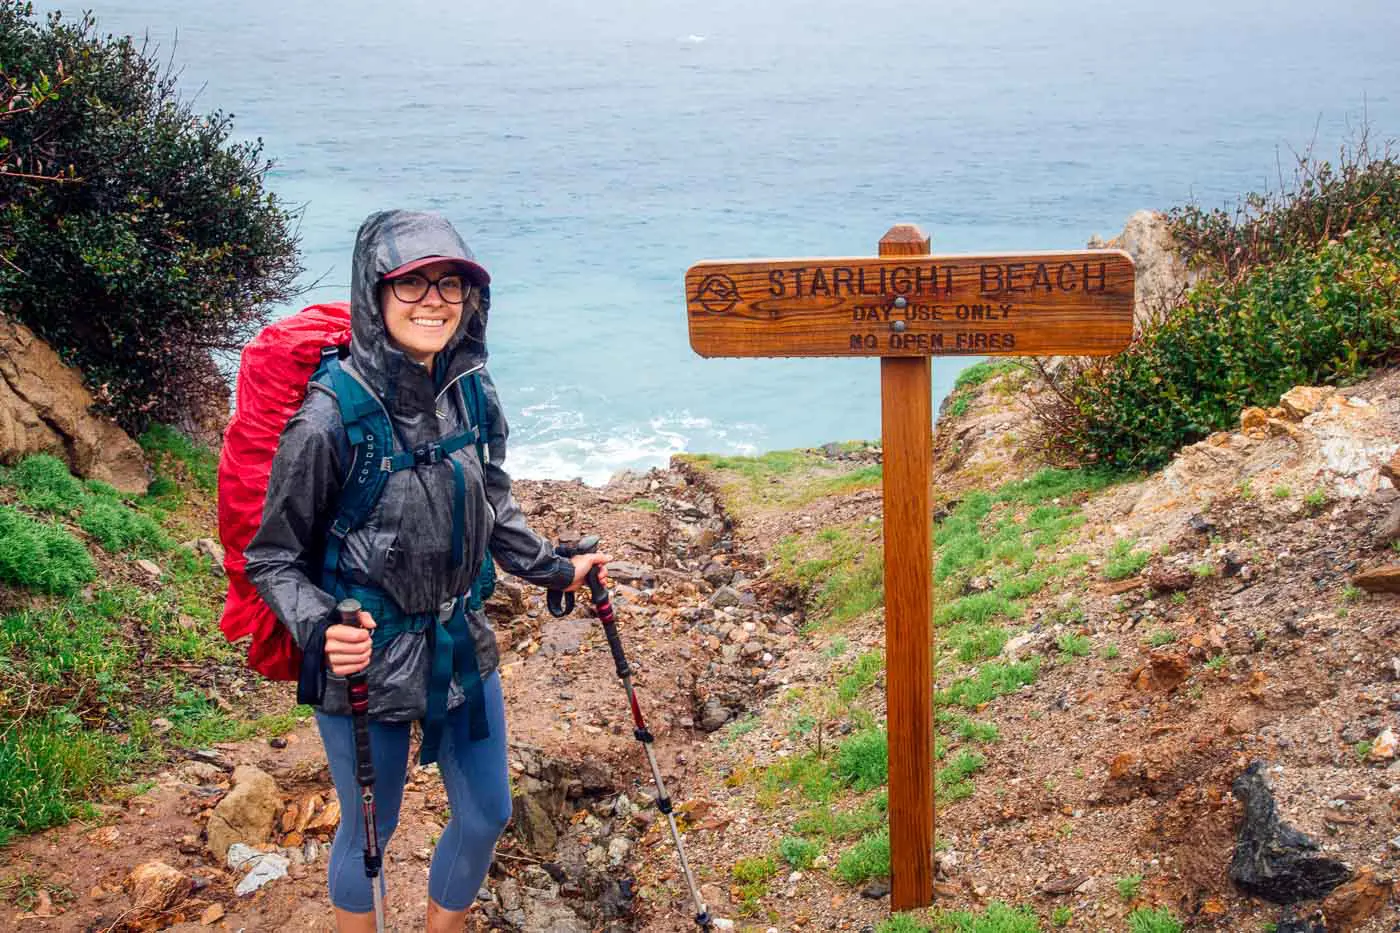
(413, 288)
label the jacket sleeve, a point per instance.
(306, 475)
(514, 545)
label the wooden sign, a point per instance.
(1019, 304)
(906, 306)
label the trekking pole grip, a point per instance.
(603, 606)
(357, 685)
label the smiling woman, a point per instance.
(423, 305)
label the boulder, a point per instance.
(246, 814)
(1272, 859)
(1161, 277)
(45, 408)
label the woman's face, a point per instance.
(422, 328)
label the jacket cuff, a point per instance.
(311, 679)
(562, 574)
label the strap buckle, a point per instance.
(429, 454)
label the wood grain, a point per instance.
(906, 403)
(908, 304)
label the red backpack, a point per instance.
(272, 383)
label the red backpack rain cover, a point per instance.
(272, 379)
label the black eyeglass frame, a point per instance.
(429, 284)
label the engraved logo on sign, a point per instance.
(717, 294)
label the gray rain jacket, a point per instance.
(405, 548)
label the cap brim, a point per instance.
(474, 271)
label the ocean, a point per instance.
(592, 150)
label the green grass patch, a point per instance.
(1074, 646)
(118, 528)
(901, 923)
(1153, 920)
(1123, 561)
(841, 570)
(972, 643)
(863, 673)
(845, 824)
(863, 760)
(952, 781)
(970, 730)
(989, 682)
(41, 555)
(998, 918)
(1128, 886)
(644, 505)
(48, 767)
(978, 373)
(45, 484)
(165, 445)
(808, 775)
(868, 858)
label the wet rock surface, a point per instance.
(1272, 859)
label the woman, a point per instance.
(418, 309)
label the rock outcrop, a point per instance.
(1161, 275)
(45, 408)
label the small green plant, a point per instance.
(1246, 489)
(118, 528)
(757, 868)
(836, 647)
(952, 783)
(989, 682)
(901, 923)
(1159, 638)
(644, 505)
(1123, 561)
(1362, 750)
(862, 675)
(973, 731)
(1153, 920)
(1128, 887)
(1218, 663)
(1108, 652)
(1203, 570)
(1074, 646)
(1315, 499)
(740, 728)
(1282, 492)
(959, 406)
(1178, 598)
(799, 853)
(1061, 917)
(1352, 593)
(868, 858)
(863, 760)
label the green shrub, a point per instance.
(1074, 646)
(868, 858)
(1128, 886)
(758, 868)
(799, 853)
(46, 484)
(862, 675)
(1153, 920)
(1313, 318)
(863, 760)
(41, 555)
(952, 783)
(136, 237)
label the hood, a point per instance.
(387, 240)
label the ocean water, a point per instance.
(591, 150)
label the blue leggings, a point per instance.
(478, 789)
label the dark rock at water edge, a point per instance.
(1272, 859)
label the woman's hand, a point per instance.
(348, 648)
(584, 563)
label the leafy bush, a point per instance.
(1316, 317)
(41, 555)
(135, 237)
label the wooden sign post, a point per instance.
(906, 306)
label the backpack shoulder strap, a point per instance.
(370, 435)
(474, 398)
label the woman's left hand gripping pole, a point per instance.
(358, 686)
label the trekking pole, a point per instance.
(561, 604)
(358, 686)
